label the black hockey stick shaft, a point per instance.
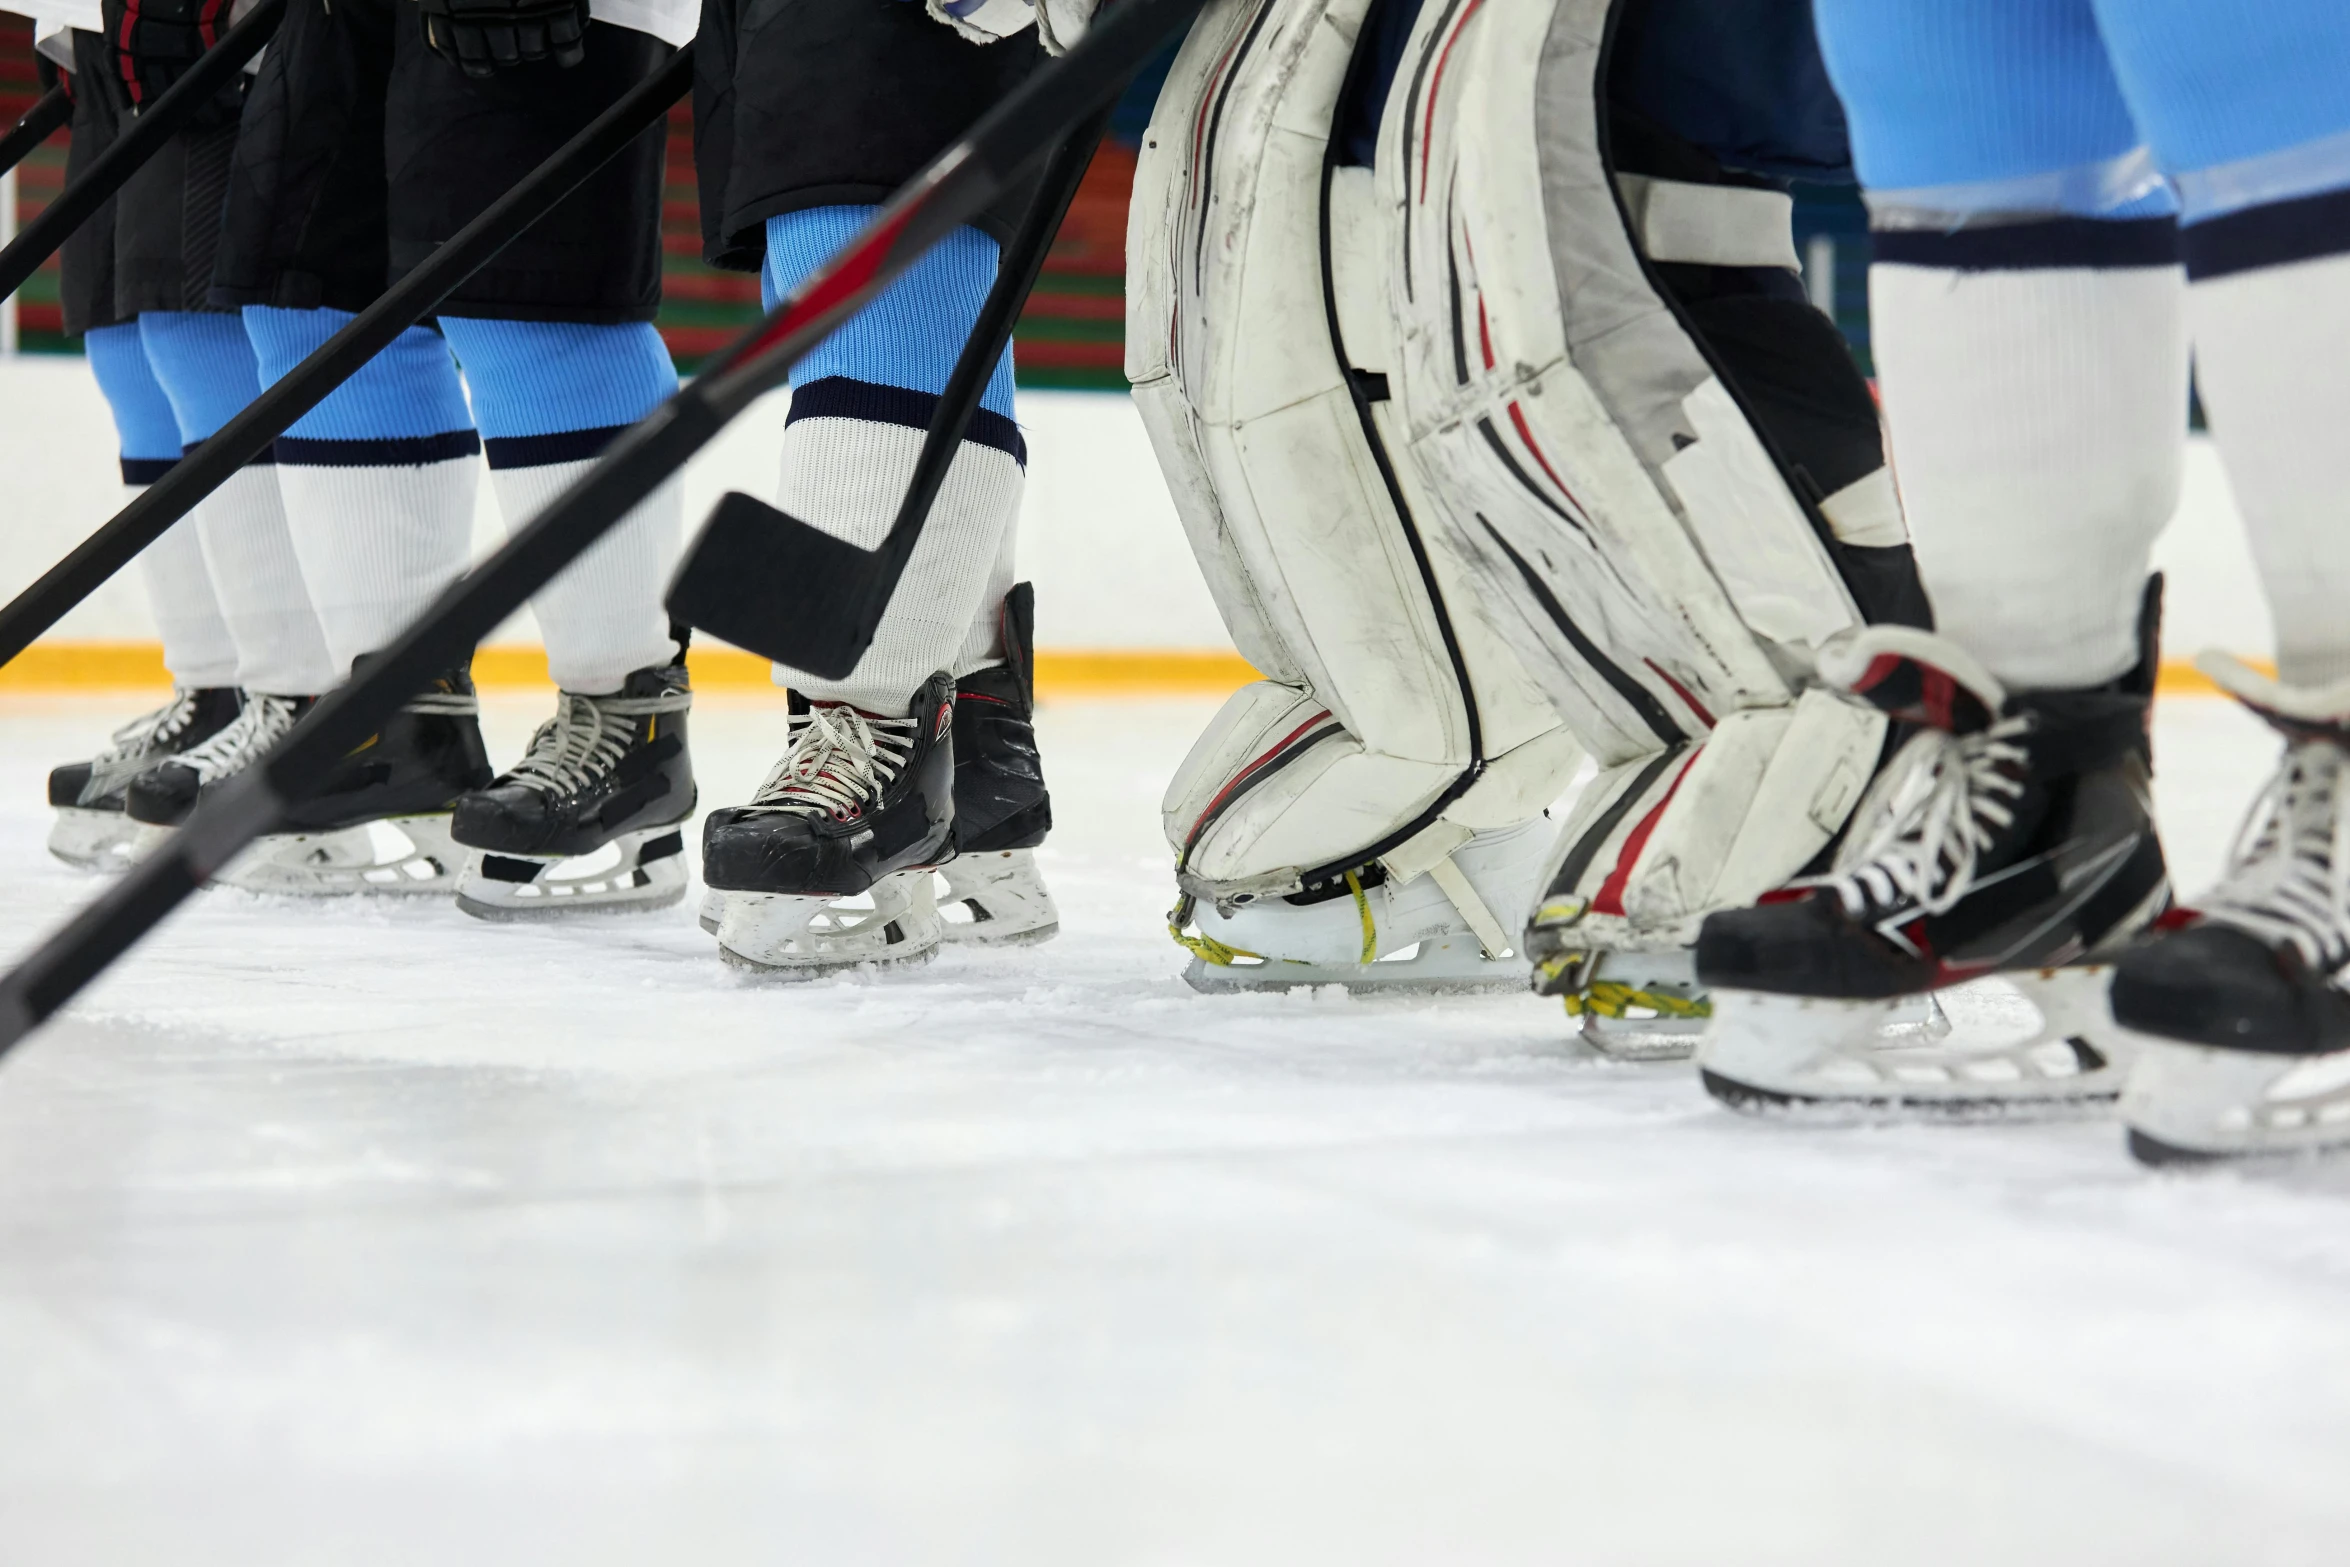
(952, 190)
(39, 122)
(405, 303)
(148, 130)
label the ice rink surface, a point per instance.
(356, 1234)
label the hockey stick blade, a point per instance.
(956, 186)
(141, 139)
(39, 122)
(117, 543)
(766, 581)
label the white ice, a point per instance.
(365, 1234)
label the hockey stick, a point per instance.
(52, 110)
(729, 583)
(956, 185)
(247, 436)
(149, 130)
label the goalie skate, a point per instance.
(1435, 932)
(592, 818)
(2011, 837)
(2243, 1011)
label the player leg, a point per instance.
(2245, 1008)
(377, 481)
(811, 114)
(2029, 342)
(558, 348)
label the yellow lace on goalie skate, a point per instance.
(2288, 876)
(839, 762)
(1949, 796)
(1209, 950)
(1613, 998)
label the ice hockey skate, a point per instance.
(2011, 836)
(592, 819)
(381, 824)
(993, 894)
(829, 866)
(990, 893)
(92, 831)
(2244, 1018)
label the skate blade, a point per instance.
(635, 872)
(1448, 965)
(1826, 1060)
(2197, 1104)
(402, 856)
(87, 840)
(995, 900)
(792, 936)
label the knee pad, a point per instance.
(1394, 723)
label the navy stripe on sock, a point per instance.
(2275, 235)
(843, 397)
(2058, 244)
(404, 451)
(540, 451)
(146, 470)
(264, 460)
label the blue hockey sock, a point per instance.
(144, 423)
(861, 403)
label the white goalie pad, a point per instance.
(1657, 843)
(1648, 556)
(1394, 722)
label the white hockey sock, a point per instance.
(379, 542)
(249, 554)
(848, 453)
(2037, 416)
(2272, 354)
(599, 621)
(197, 647)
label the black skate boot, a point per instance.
(92, 830)
(995, 895)
(381, 821)
(2012, 836)
(860, 808)
(605, 772)
(2242, 1002)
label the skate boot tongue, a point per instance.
(1916, 677)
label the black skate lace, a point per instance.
(1945, 801)
(840, 760)
(586, 739)
(257, 726)
(2288, 876)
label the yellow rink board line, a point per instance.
(54, 667)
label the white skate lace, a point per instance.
(840, 760)
(2288, 877)
(258, 725)
(130, 749)
(1948, 798)
(586, 739)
